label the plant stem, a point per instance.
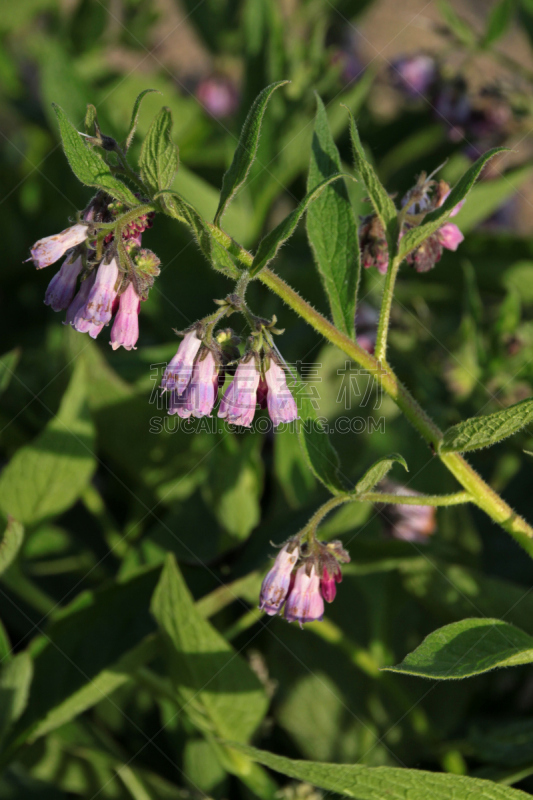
(386, 306)
(418, 500)
(481, 493)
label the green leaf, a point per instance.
(331, 228)
(271, 243)
(216, 687)
(159, 155)
(246, 150)
(11, 543)
(486, 197)
(319, 453)
(15, 680)
(88, 165)
(500, 18)
(46, 477)
(466, 648)
(8, 365)
(435, 219)
(457, 24)
(478, 432)
(378, 471)
(216, 255)
(383, 205)
(135, 116)
(377, 783)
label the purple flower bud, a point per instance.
(280, 402)
(218, 96)
(450, 236)
(178, 372)
(414, 75)
(48, 250)
(99, 306)
(328, 584)
(240, 399)
(125, 330)
(202, 390)
(62, 287)
(275, 586)
(76, 310)
(305, 603)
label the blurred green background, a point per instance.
(101, 510)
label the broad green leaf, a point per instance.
(89, 650)
(320, 455)
(466, 648)
(457, 24)
(88, 165)
(46, 477)
(484, 431)
(159, 155)
(8, 365)
(331, 228)
(271, 243)
(15, 680)
(10, 543)
(135, 116)
(382, 203)
(216, 687)
(435, 219)
(246, 150)
(219, 258)
(377, 783)
(500, 17)
(377, 472)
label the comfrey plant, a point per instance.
(103, 257)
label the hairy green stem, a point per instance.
(481, 493)
(386, 306)
(419, 500)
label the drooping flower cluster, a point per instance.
(107, 287)
(303, 576)
(407, 522)
(425, 196)
(199, 367)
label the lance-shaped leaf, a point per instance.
(15, 680)
(478, 432)
(435, 219)
(319, 453)
(271, 243)
(246, 149)
(383, 205)
(10, 543)
(46, 476)
(159, 155)
(135, 116)
(378, 471)
(217, 689)
(500, 18)
(377, 783)
(466, 648)
(88, 165)
(175, 206)
(331, 228)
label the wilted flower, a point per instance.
(48, 250)
(305, 602)
(240, 398)
(275, 586)
(415, 74)
(280, 402)
(125, 330)
(179, 370)
(373, 244)
(448, 236)
(62, 287)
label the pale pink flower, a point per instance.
(48, 250)
(125, 330)
(240, 399)
(62, 287)
(276, 584)
(179, 370)
(305, 602)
